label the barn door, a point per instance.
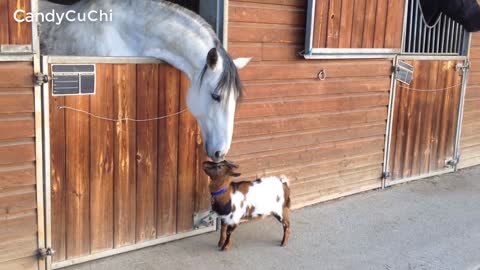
(121, 185)
(425, 120)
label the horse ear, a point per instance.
(242, 62)
(212, 58)
(235, 174)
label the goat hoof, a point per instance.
(225, 248)
(220, 244)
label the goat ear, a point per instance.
(230, 164)
(212, 58)
(235, 174)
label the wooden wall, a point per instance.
(18, 214)
(358, 23)
(327, 136)
(425, 122)
(470, 140)
(117, 184)
(12, 32)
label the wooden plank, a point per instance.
(28, 263)
(437, 113)
(346, 24)
(253, 50)
(16, 177)
(26, 246)
(17, 127)
(124, 81)
(186, 164)
(369, 24)
(380, 24)
(15, 228)
(147, 152)
(13, 203)
(58, 177)
(4, 37)
(17, 152)
(261, 13)
(273, 33)
(320, 27)
(288, 124)
(169, 98)
(17, 103)
(309, 70)
(19, 75)
(334, 19)
(297, 88)
(446, 111)
(281, 52)
(310, 105)
(20, 32)
(101, 162)
(358, 23)
(77, 177)
(296, 3)
(297, 139)
(394, 24)
(202, 193)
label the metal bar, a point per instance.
(447, 37)
(16, 58)
(225, 23)
(54, 59)
(431, 57)
(137, 246)
(461, 107)
(389, 126)
(443, 33)
(408, 11)
(420, 29)
(310, 26)
(415, 15)
(47, 163)
(437, 31)
(455, 37)
(424, 33)
(429, 45)
(415, 178)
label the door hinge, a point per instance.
(404, 72)
(43, 253)
(452, 163)
(40, 78)
(463, 67)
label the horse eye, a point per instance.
(216, 97)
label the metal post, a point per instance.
(461, 106)
(388, 131)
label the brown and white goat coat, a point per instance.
(234, 201)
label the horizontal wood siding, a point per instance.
(11, 31)
(470, 140)
(327, 136)
(358, 24)
(18, 216)
(118, 184)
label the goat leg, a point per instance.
(223, 234)
(286, 226)
(228, 241)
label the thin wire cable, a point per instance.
(121, 119)
(430, 90)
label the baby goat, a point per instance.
(233, 201)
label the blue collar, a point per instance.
(220, 192)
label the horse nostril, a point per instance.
(218, 154)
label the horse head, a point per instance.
(212, 99)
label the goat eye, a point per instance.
(216, 97)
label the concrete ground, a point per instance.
(427, 224)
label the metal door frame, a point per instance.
(388, 138)
(46, 60)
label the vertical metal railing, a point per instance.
(444, 36)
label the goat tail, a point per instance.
(284, 180)
(286, 190)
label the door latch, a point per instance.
(404, 72)
(463, 67)
(40, 78)
(452, 163)
(43, 253)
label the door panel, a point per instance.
(425, 119)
